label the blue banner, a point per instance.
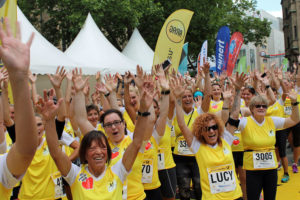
(222, 43)
(183, 60)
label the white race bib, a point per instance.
(183, 147)
(221, 179)
(58, 185)
(263, 159)
(287, 110)
(161, 159)
(147, 171)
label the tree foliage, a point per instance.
(117, 19)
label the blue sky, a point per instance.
(271, 6)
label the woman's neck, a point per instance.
(259, 119)
(96, 172)
(216, 98)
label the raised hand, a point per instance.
(146, 96)
(139, 79)
(292, 95)
(178, 87)
(69, 75)
(160, 74)
(206, 68)
(100, 87)
(227, 93)
(14, 54)
(78, 82)
(58, 77)
(98, 77)
(111, 82)
(3, 74)
(128, 78)
(239, 80)
(46, 106)
(32, 77)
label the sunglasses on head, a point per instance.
(261, 106)
(214, 127)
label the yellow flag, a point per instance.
(262, 68)
(171, 37)
(8, 8)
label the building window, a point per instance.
(242, 52)
(295, 32)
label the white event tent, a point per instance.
(93, 49)
(44, 57)
(138, 50)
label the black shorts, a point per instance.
(281, 137)
(295, 131)
(238, 158)
(168, 182)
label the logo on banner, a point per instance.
(175, 31)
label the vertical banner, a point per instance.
(202, 55)
(182, 68)
(242, 65)
(8, 8)
(171, 37)
(236, 43)
(222, 44)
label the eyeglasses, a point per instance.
(110, 125)
(261, 106)
(213, 127)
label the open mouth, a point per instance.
(115, 133)
(212, 136)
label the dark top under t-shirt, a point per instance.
(59, 130)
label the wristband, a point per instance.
(223, 108)
(165, 92)
(144, 114)
(233, 122)
(107, 94)
(267, 86)
(295, 104)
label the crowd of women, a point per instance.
(144, 136)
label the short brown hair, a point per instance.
(200, 125)
(257, 100)
(86, 142)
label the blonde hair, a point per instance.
(258, 100)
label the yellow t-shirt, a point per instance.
(129, 124)
(87, 187)
(150, 177)
(133, 184)
(237, 144)
(165, 157)
(181, 147)
(42, 179)
(217, 172)
(215, 106)
(259, 144)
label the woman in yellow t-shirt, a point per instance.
(95, 177)
(258, 135)
(212, 147)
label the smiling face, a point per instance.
(134, 100)
(258, 107)
(40, 127)
(114, 127)
(96, 157)
(216, 92)
(247, 96)
(187, 101)
(93, 117)
(209, 134)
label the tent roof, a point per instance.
(93, 49)
(44, 57)
(137, 49)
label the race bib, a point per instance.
(161, 159)
(58, 185)
(221, 179)
(264, 159)
(183, 147)
(147, 171)
(287, 110)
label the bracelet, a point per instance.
(144, 114)
(165, 92)
(295, 104)
(267, 86)
(107, 94)
(224, 108)
(233, 122)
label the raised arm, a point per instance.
(129, 108)
(164, 107)
(111, 83)
(16, 58)
(132, 150)
(2, 128)
(32, 79)
(79, 103)
(49, 110)
(207, 88)
(178, 88)
(56, 81)
(294, 118)
(8, 121)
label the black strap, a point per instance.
(190, 118)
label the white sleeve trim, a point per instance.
(199, 110)
(120, 171)
(66, 139)
(242, 124)
(278, 122)
(228, 137)
(122, 110)
(195, 145)
(74, 171)
(156, 136)
(7, 179)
